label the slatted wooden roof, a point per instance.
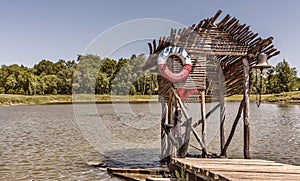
(228, 40)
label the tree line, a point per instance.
(88, 74)
(91, 74)
(277, 79)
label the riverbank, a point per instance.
(281, 98)
(9, 99)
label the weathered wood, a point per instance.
(269, 51)
(222, 108)
(163, 146)
(246, 109)
(202, 145)
(170, 136)
(183, 150)
(242, 33)
(238, 30)
(273, 54)
(227, 25)
(203, 117)
(181, 104)
(158, 179)
(216, 16)
(223, 21)
(236, 169)
(238, 116)
(229, 42)
(154, 45)
(246, 41)
(171, 140)
(248, 35)
(138, 174)
(233, 27)
(150, 48)
(207, 115)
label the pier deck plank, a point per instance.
(238, 169)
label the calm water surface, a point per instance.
(54, 142)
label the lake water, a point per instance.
(54, 142)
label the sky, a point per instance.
(32, 30)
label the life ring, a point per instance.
(164, 69)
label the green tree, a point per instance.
(89, 74)
(286, 77)
(51, 84)
(281, 78)
(45, 67)
(85, 75)
(102, 84)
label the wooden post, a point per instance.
(163, 141)
(238, 116)
(222, 108)
(246, 109)
(169, 122)
(203, 115)
(207, 115)
(183, 150)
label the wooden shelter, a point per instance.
(223, 54)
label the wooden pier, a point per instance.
(235, 169)
(204, 63)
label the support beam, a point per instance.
(163, 141)
(170, 136)
(199, 140)
(171, 146)
(222, 108)
(238, 116)
(188, 125)
(183, 150)
(203, 115)
(207, 115)
(246, 109)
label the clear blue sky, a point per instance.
(32, 30)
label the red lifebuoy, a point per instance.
(164, 69)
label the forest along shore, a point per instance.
(10, 99)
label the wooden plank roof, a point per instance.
(228, 40)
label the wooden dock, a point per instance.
(235, 169)
(139, 174)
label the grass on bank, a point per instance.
(284, 97)
(8, 99)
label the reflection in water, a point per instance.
(49, 142)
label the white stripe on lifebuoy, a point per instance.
(164, 69)
(178, 51)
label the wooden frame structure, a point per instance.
(230, 49)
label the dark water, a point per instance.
(54, 142)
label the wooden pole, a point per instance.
(170, 136)
(207, 115)
(163, 146)
(189, 127)
(182, 152)
(222, 109)
(246, 109)
(199, 140)
(203, 115)
(238, 116)
(170, 122)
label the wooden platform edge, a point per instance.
(236, 169)
(139, 174)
